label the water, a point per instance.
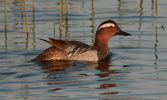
(138, 71)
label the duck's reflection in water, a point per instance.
(80, 75)
(56, 67)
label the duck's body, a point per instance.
(75, 50)
(68, 50)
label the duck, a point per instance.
(66, 50)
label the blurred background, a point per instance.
(138, 74)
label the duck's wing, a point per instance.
(71, 48)
(56, 43)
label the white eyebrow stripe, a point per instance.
(106, 25)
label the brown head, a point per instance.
(106, 31)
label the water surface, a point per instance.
(137, 73)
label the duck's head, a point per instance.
(108, 29)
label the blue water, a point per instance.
(137, 72)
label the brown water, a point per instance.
(139, 68)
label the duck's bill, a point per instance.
(123, 33)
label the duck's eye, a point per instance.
(111, 27)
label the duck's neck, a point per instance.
(102, 48)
